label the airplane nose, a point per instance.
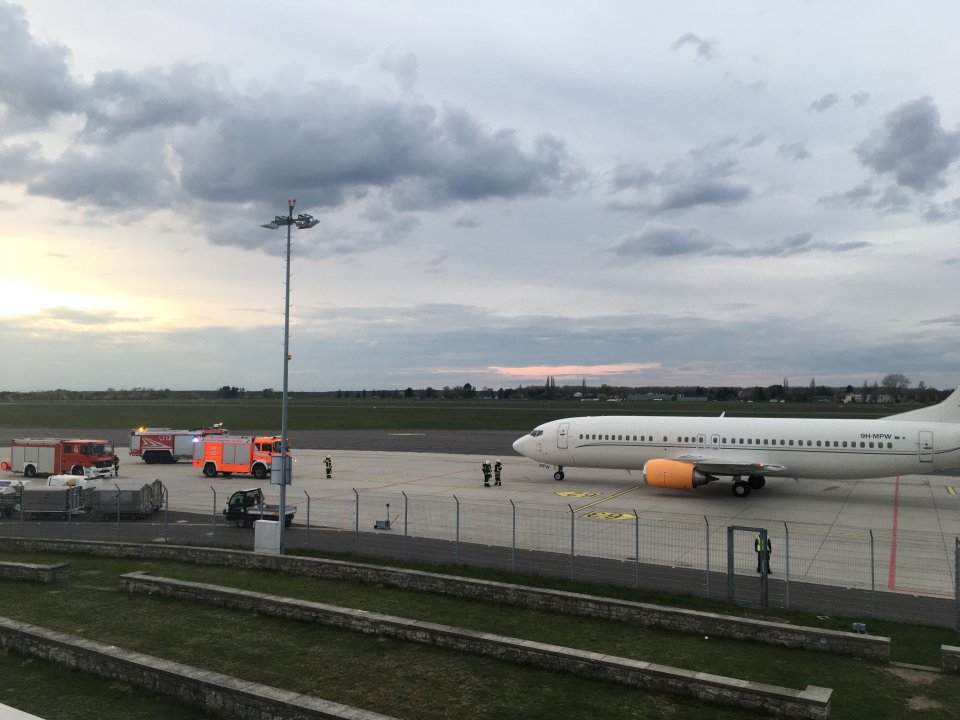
(518, 445)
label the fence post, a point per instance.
(456, 543)
(118, 511)
(406, 504)
(873, 584)
(708, 554)
(356, 520)
(513, 538)
(786, 557)
(308, 517)
(213, 528)
(166, 512)
(636, 550)
(956, 579)
(20, 483)
(573, 535)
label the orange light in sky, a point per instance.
(573, 370)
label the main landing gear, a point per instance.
(742, 488)
(558, 475)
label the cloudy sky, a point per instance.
(636, 193)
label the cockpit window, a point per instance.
(536, 433)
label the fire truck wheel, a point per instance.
(210, 470)
(76, 470)
(241, 523)
(259, 472)
(30, 471)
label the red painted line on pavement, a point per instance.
(892, 577)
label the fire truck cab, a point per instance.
(228, 455)
(50, 456)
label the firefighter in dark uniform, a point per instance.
(486, 473)
(328, 464)
(761, 556)
(116, 465)
(498, 466)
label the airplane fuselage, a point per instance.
(800, 448)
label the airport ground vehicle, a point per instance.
(230, 455)
(245, 507)
(58, 502)
(50, 456)
(164, 445)
(128, 498)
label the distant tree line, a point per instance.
(893, 388)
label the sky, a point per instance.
(630, 193)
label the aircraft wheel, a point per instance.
(558, 475)
(756, 481)
(741, 489)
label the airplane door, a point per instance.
(562, 435)
(926, 446)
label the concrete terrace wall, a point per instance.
(813, 702)
(951, 658)
(222, 695)
(49, 574)
(644, 614)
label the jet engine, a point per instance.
(674, 474)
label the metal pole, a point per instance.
(708, 553)
(572, 536)
(356, 520)
(166, 511)
(786, 558)
(456, 544)
(284, 443)
(873, 583)
(513, 539)
(956, 579)
(406, 503)
(20, 483)
(308, 517)
(118, 511)
(636, 551)
(213, 528)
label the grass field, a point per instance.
(385, 414)
(405, 679)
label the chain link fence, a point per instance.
(847, 571)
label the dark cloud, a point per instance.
(755, 141)
(855, 197)
(20, 162)
(119, 103)
(794, 151)
(860, 98)
(943, 212)
(824, 103)
(330, 140)
(912, 146)
(129, 176)
(467, 220)
(74, 316)
(706, 48)
(636, 175)
(35, 81)
(703, 192)
(665, 241)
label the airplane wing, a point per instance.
(715, 466)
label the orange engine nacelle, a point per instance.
(674, 474)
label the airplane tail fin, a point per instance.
(948, 411)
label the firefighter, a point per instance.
(116, 465)
(498, 466)
(486, 473)
(761, 556)
(328, 464)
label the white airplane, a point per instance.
(685, 452)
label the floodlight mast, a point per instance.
(303, 222)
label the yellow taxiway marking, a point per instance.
(573, 493)
(951, 490)
(602, 515)
(608, 497)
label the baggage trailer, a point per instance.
(245, 507)
(9, 501)
(132, 499)
(51, 502)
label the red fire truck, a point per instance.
(230, 455)
(163, 445)
(51, 456)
